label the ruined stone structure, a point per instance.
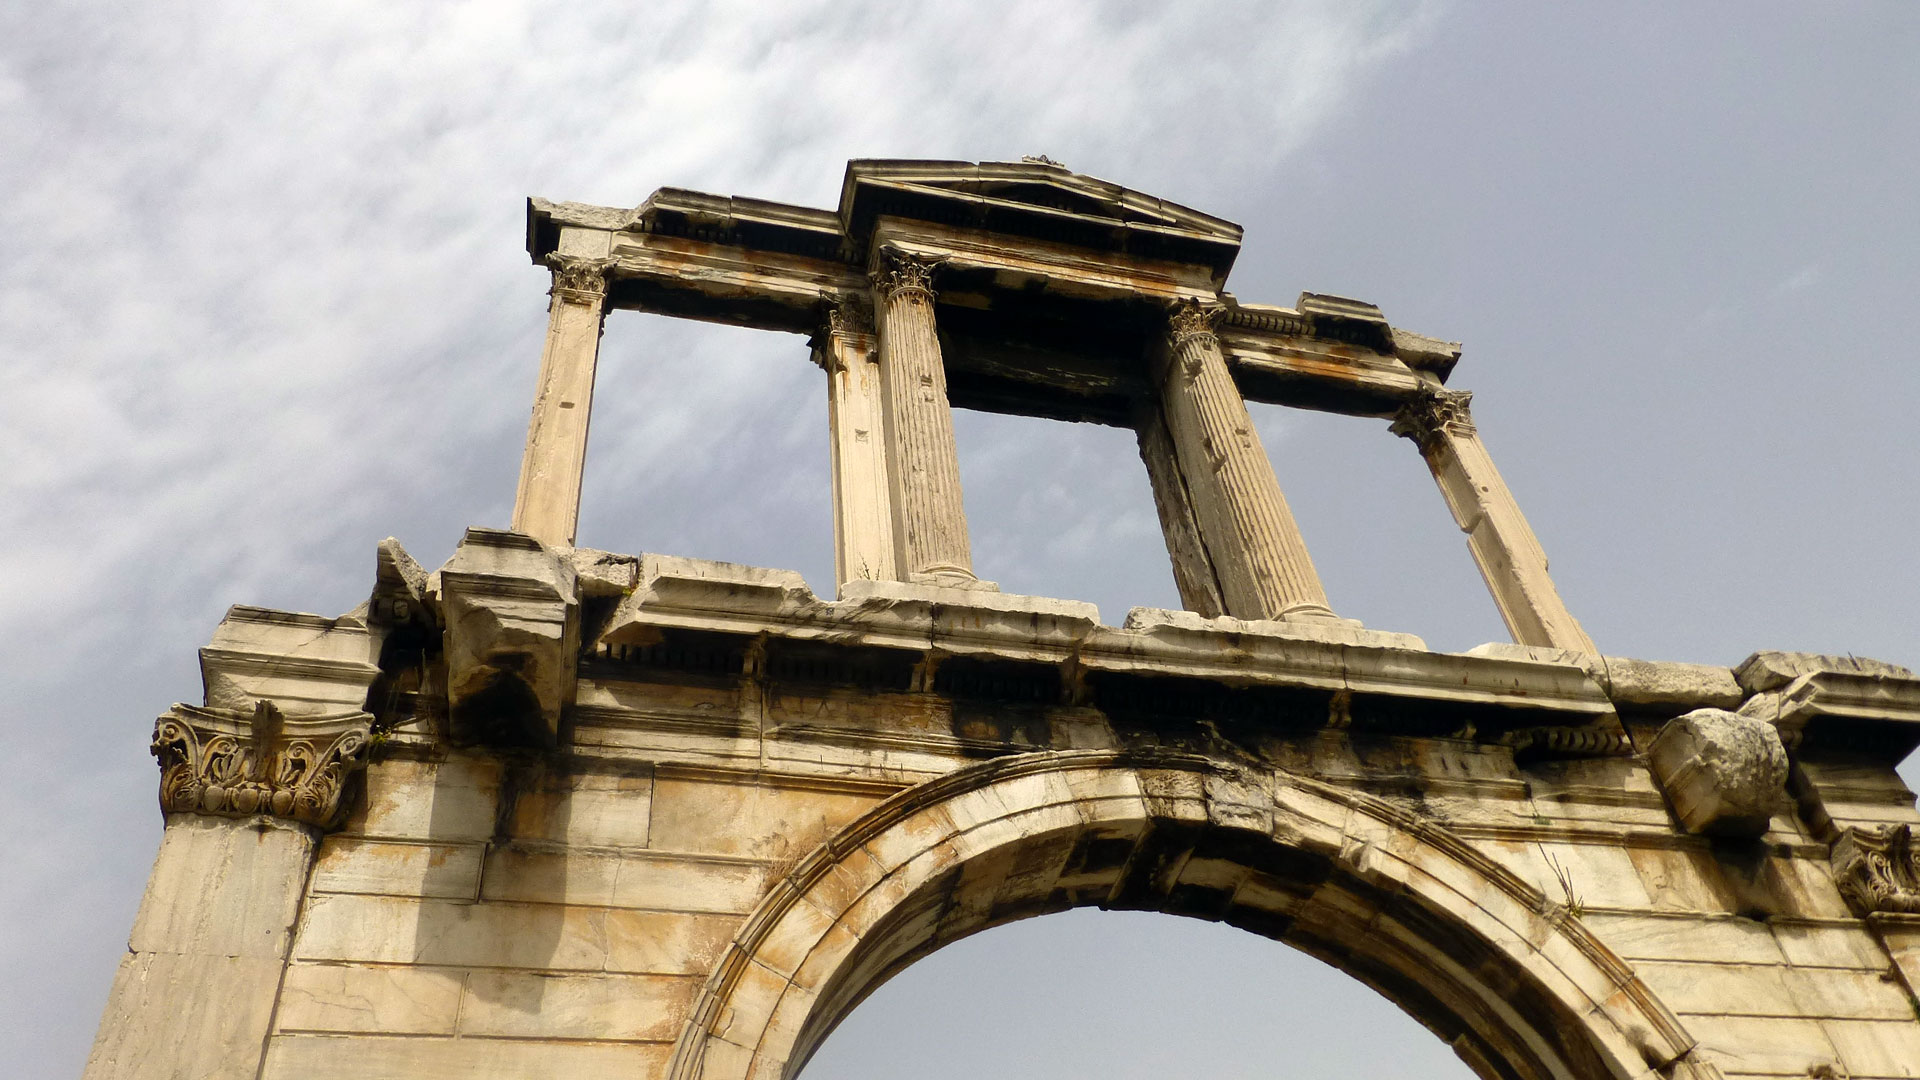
(557, 812)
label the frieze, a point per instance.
(1878, 870)
(234, 763)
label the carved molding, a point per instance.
(903, 275)
(578, 280)
(1878, 870)
(234, 763)
(1426, 418)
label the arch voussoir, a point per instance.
(1475, 952)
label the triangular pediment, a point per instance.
(1036, 185)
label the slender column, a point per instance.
(246, 796)
(862, 508)
(1193, 572)
(1257, 552)
(923, 465)
(1509, 556)
(547, 504)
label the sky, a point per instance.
(265, 301)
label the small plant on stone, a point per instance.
(1575, 907)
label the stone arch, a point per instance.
(1518, 986)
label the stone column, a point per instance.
(863, 544)
(923, 465)
(1510, 558)
(1193, 572)
(246, 796)
(1257, 553)
(547, 504)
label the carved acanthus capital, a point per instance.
(578, 280)
(1426, 418)
(1193, 321)
(848, 328)
(1878, 869)
(901, 274)
(235, 763)
(850, 315)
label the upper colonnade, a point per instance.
(1022, 287)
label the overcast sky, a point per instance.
(265, 301)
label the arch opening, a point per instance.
(1126, 995)
(1509, 979)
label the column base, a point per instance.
(1319, 613)
(952, 579)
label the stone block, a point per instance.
(1772, 670)
(587, 809)
(305, 664)
(512, 639)
(1769, 1045)
(1722, 939)
(759, 821)
(302, 1057)
(1873, 1048)
(349, 865)
(545, 937)
(632, 880)
(443, 801)
(648, 1008)
(1723, 773)
(1330, 631)
(223, 887)
(185, 1015)
(1655, 683)
(380, 1000)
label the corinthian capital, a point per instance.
(901, 273)
(850, 316)
(233, 763)
(1427, 417)
(1878, 870)
(582, 281)
(1190, 321)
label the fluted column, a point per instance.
(1510, 557)
(1257, 553)
(547, 504)
(862, 505)
(923, 465)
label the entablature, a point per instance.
(1019, 246)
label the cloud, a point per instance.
(265, 301)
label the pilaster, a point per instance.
(1261, 561)
(1503, 545)
(929, 521)
(547, 504)
(246, 793)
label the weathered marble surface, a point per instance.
(760, 800)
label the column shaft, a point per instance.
(1261, 561)
(1193, 572)
(1509, 556)
(863, 543)
(547, 504)
(923, 465)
